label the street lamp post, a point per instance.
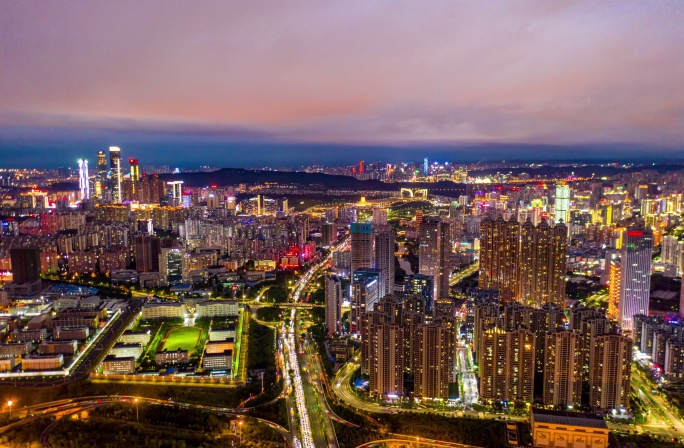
(137, 419)
(9, 404)
(240, 425)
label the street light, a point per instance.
(136, 411)
(9, 404)
(240, 425)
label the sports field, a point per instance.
(185, 338)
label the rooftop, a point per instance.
(568, 418)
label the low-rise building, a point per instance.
(213, 347)
(71, 333)
(135, 337)
(14, 350)
(216, 308)
(29, 335)
(67, 348)
(34, 363)
(172, 357)
(7, 364)
(118, 365)
(221, 334)
(164, 310)
(554, 429)
(124, 350)
(218, 361)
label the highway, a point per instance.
(70, 406)
(662, 420)
(458, 277)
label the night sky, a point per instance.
(288, 83)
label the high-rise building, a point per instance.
(563, 370)
(426, 167)
(424, 287)
(101, 177)
(635, 275)
(176, 192)
(365, 284)
(379, 216)
(171, 265)
(386, 357)
(562, 203)
(25, 265)
(384, 258)
(147, 250)
(434, 352)
(83, 180)
(419, 220)
(486, 316)
(434, 250)
(610, 372)
(135, 179)
(361, 245)
(115, 169)
(542, 264)
(333, 304)
(499, 255)
(614, 286)
(674, 361)
(506, 364)
(328, 234)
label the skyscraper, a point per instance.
(101, 177)
(365, 284)
(384, 258)
(25, 265)
(562, 202)
(610, 370)
(434, 352)
(361, 245)
(115, 168)
(135, 179)
(434, 250)
(563, 370)
(83, 180)
(424, 287)
(635, 275)
(147, 250)
(333, 304)
(499, 252)
(507, 365)
(386, 356)
(176, 192)
(379, 216)
(542, 264)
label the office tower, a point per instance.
(365, 284)
(635, 276)
(610, 372)
(386, 363)
(434, 353)
(115, 169)
(328, 234)
(101, 176)
(157, 189)
(361, 246)
(25, 265)
(561, 203)
(283, 205)
(499, 252)
(422, 286)
(379, 216)
(434, 249)
(361, 167)
(135, 179)
(384, 258)
(83, 180)
(333, 304)
(147, 250)
(614, 286)
(542, 264)
(176, 192)
(426, 168)
(507, 365)
(563, 370)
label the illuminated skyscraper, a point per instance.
(101, 177)
(365, 285)
(434, 250)
(426, 168)
(635, 276)
(542, 264)
(361, 245)
(610, 372)
(135, 179)
(176, 192)
(434, 360)
(384, 358)
(333, 304)
(384, 258)
(83, 180)
(563, 370)
(562, 202)
(115, 168)
(499, 252)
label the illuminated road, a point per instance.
(458, 277)
(662, 421)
